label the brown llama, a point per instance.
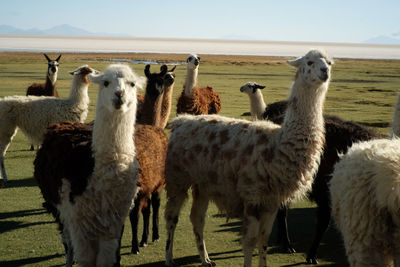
(195, 100)
(49, 87)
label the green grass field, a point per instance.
(361, 90)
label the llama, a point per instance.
(151, 144)
(49, 87)
(339, 136)
(257, 104)
(195, 100)
(365, 202)
(283, 161)
(93, 186)
(33, 114)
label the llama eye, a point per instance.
(106, 83)
(309, 63)
(132, 84)
(329, 63)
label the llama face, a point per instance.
(169, 77)
(314, 67)
(193, 61)
(52, 65)
(251, 88)
(117, 91)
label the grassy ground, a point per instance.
(361, 90)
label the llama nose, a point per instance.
(324, 69)
(119, 94)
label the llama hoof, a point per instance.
(171, 264)
(143, 244)
(210, 264)
(290, 250)
(156, 239)
(3, 184)
(32, 148)
(312, 260)
(135, 251)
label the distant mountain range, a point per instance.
(60, 30)
(68, 30)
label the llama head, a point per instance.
(251, 88)
(117, 87)
(193, 62)
(52, 65)
(314, 67)
(155, 82)
(169, 77)
(83, 72)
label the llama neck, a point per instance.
(79, 91)
(396, 119)
(304, 112)
(166, 106)
(257, 105)
(191, 81)
(50, 85)
(301, 139)
(151, 111)
(113, 136)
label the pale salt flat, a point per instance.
(186, 46)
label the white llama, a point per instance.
(93, 219)
(365, 193)
(33, 114)
(257, 104)
(247, 168)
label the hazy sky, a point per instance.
(278, 20)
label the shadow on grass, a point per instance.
(21, 213)
(25, 182)
(301, 227)
(195, 259)
(30, 261)
(6, 226)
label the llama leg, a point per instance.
(69, 253)
(118, 252)
(134, 219)
(6, 135)
(84, 250)
(323, 219)
(3, 171)
(107, 253)
(283, 230)
(146, 224)
(251, 226)
(197, 216)
(155, 204)
(172, 209)
(267, 221)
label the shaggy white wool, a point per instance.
(95, 218)
(365, 193)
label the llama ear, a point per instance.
(295, 63)
(173, 69)
(163, 69)
(48, 59)
(147, 70)
(260, 86)
(96, 77)
(58, 58)
(198, 58)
